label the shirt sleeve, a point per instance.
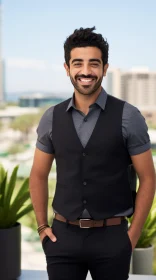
(44, 132)
(135, 130)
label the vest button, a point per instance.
(84, 201)
(84, 154)
(85, 119)
(84, 183)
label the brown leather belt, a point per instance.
(89, 223)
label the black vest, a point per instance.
(94, 177)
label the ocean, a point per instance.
(13, 97)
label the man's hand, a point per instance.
(133, 238)
(48, 232)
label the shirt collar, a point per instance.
(100, 101)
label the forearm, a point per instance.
(39, 197)
(143, 204)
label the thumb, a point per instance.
(50, 234)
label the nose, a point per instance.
(86, 70)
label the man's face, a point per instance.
(86, 69)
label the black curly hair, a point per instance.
(85, 37)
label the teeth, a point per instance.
(86, 80)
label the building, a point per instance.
(1, 83)
(39, 100)
(113, 82)
(1, 63)
(138, 87)
(8, 114)
(152, 134)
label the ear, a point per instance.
(105, 69)
(66, 68)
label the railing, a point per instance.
(42, 275)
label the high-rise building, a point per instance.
(138, 87)
(113, 82)
(1, 63)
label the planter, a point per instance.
(131, 265)
(10, 252)
(143, 260)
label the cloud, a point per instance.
(32, 64)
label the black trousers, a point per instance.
(105, 252)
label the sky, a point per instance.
(34, 31)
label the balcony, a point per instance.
(42, 275)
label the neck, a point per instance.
(82, 102)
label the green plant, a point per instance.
(148, 233)
(15, 149)
(24, 124)
(14, 202)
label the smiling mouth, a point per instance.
(86, 81)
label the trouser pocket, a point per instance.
(129, 241)
(44, 241)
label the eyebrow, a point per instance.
(90, 60)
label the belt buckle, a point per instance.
(80, 220)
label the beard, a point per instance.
(86, 89)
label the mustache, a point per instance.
(85, 77)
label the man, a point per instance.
(94, 138)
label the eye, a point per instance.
(95, 64)
(77, 64)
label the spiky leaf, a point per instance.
(10, 188)
(13, 206)
(2, 190)
(23, 189)
(25, 211)
(16, 206)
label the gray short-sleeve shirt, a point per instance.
(134, 128)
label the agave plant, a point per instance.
(13, 203)
(148, 233)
